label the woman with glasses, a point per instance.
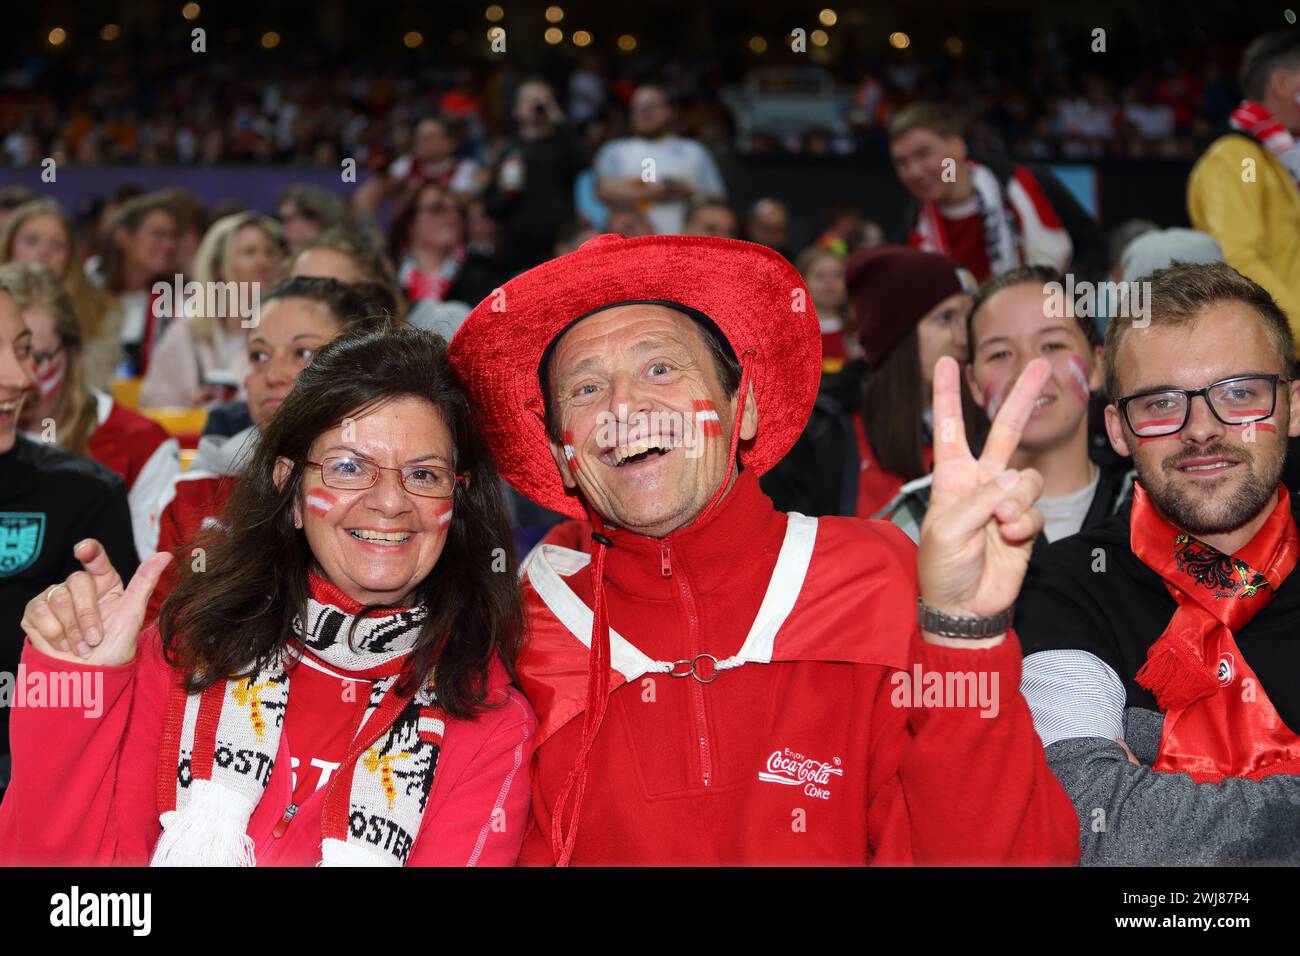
(298, 317)
(333, 686)
(62, 410)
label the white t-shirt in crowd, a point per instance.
(675, 157)
(1064, 514)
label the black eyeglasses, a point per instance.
(1233, 401)
(358, 474)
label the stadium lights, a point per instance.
(757, 44)
(828, 17)
(554, 14)
(413, 39)
(819, 37)
(57, 36)
(110, 32)
(494, 13)
(191, 11)
(270, 40)
(900, 40)
(627, 43)
(581, 38)
(954, 45)
(553, 35)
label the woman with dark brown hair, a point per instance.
(330, 681)
(870, 431)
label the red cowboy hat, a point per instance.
(753, 295)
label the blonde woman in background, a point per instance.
(139, 249)
(39, 231)
(200, 359)
(65, 411)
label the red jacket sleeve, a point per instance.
(83, 790)
(481, 818)
(967, 785)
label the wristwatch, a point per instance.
(947, 625)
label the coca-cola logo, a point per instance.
(794, 769)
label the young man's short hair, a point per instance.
(1179, 296)
(1271, 51)
(931, 116)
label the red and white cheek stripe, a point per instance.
(1077, 378)
(1264, 425)
(1156, 423)
(49, 383)
(570, 453)
(706, 418)
(994, 395)
(444, 516)
(320, 502)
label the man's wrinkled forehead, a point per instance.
(663, 322)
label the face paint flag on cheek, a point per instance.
(1156, 424)
(570, 452)
(706, 418)
(320, 501)
(1264, 425)
(444, 514)
(50, 382)
(994, 394)
(1077, 378)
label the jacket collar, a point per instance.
(711, 553)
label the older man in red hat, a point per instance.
(718, 682)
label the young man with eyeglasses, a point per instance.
(1160, 646)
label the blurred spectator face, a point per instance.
(628, 222)
(713, 220)
(294, 225)
(872, 234)
(42, 239)
(253, 256)
(437, 223)
(919, 156)
(152, 247)
(825, 280)
(535, 102)
(480, 228)
(942, 331)
(322, 263)
(650, 112)
(431, 143)
(49, 363)
(1012, 327)
(1284, 85)
(15, 369)
(769, 224)
(280, 347)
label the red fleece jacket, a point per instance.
(84, 789)
(810, 761)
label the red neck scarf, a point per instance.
(1218, 720)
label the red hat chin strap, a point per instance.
(575, 785)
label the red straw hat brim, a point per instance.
(751, 293)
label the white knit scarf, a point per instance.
(219, 748)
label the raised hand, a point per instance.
(981, 523)
(90, 618)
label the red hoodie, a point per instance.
(805, 760)
(85, 792)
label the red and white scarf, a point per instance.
(219, 747)
(1001, 239)
(1258, 123)
(1219, 721)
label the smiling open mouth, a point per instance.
(380, 537)
(638, 451)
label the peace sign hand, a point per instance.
(981, 523)
(91, 618)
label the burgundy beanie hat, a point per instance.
(893, 287)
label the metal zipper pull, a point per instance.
(289, 813)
